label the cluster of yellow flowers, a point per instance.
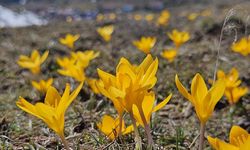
(233, 90)
(53, 108)
(75, 65)
(194, 15)
(130, 89)
(103, 17)
(163, 19)
(242, 46)
(159, 20)
(33, 63)
(148, 17)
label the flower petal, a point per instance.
(162, 104)
(198, 88)
(238, 136)
(183, 90)
(52, 97)
(27, 107)
(44, 56)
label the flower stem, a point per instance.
(120, 126)
(147, 129)
(65, 143)
(138, 145)
(202, 132)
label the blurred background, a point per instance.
(15, 13)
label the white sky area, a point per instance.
(9, 18)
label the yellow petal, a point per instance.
(44, 56)
(36, 85)
(105, 77)
(49, 117)
(67, 99)
(27, 107)
(150, 72)
(137, 115)
(146, 106)
(238, 136)
(52, 97)
(234, 74)
(24, 58)
(182, 89)
(205, 109)
(92, 84)
(213, 142)
(26, 64)
(220, 145)
(146, 62)
(198, 88)
(35, 54)
(220, 74)
(217, 92)
(50, 81)
(246, 145)
(128, 130)
(106, 126)
(162, 104)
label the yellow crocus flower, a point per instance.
(242, 46)
(43, 85)
(169, 54)
(100, 17)
(231, 79)
(69, 40)
(53, 109)
(74, 71)
(111, 127)
(163, 19)
(239, 139)
(149, 17)
(149, 108)
(178, 37)
(33, 62)
(66, 62)
(137, 17)
(125, 88)
(192, 16)
(145, 44)
(83, 58)
(203, 100)
(106, 32)
(233, 95)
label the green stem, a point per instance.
(65, 143)
(138, 145)
(202, 132)
(231, 113)
(147, 129)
